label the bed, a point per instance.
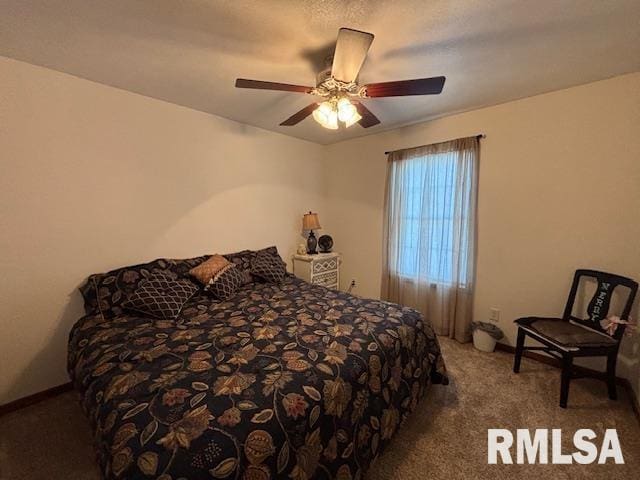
(287, 380)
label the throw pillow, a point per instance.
(104, 293)
(160, 296)
(226, 282)
(242, 260)
(208, 269)
(268, 267)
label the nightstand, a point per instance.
(320, 269)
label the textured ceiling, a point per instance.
(189, 52)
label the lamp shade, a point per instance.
(310, 221)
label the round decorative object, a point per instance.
(325, 242)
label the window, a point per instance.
(431, 196)
(429, 232)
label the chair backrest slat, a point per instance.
(598, 307)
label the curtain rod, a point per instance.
(479, 136)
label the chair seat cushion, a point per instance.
(565, 333)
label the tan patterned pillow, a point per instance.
(208, 270)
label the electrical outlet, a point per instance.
(494, 315)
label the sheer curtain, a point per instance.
(430, 232)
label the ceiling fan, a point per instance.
(338, 85)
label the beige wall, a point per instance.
(559, 189)
(94, 178)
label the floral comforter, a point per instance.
(283, 381)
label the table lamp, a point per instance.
(310, 222)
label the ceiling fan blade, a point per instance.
(260, 85)
(299, 116)
(419, 86)
(351, 50)
(368, 119)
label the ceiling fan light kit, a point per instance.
(326, 115)
(340, 88)
(335, 110)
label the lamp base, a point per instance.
(312, 243)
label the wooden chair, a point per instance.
(569, 337)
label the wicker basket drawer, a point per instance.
(328, 279)
(325, 265)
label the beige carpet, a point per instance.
(445, 439)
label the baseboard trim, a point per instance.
(35, 398)
(623, 382)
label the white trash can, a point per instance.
(483, 341)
